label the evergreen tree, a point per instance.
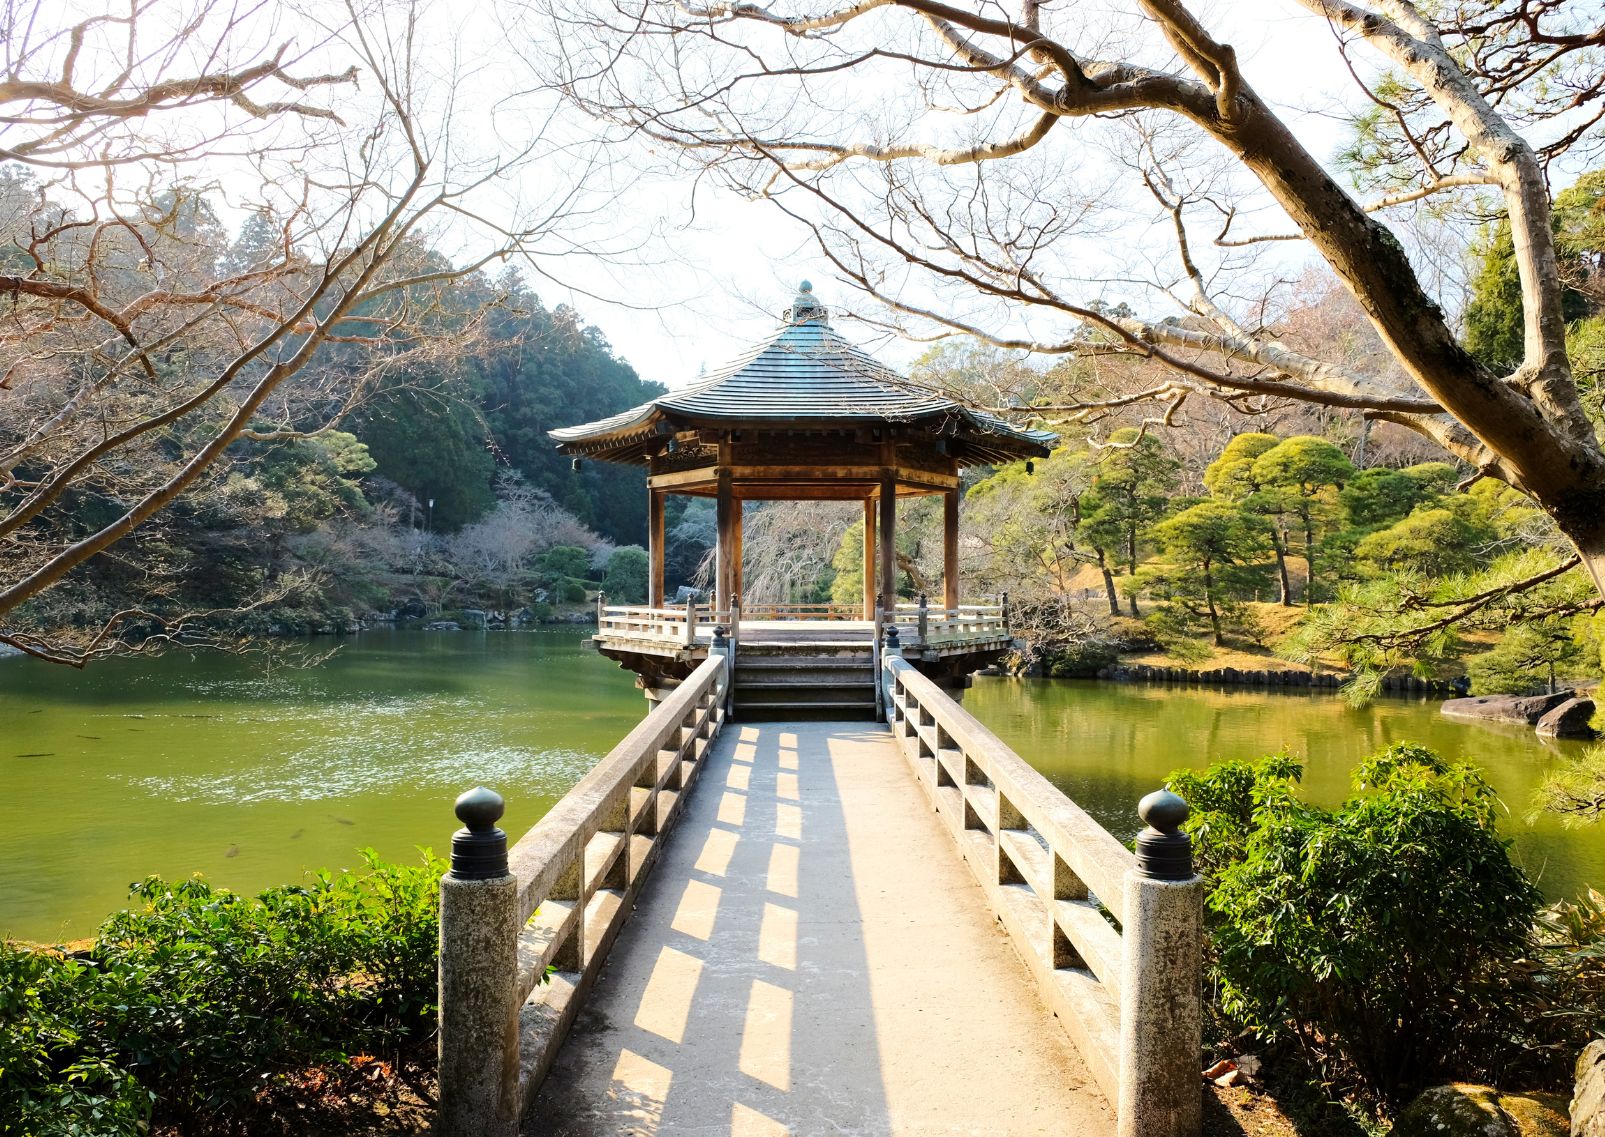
(1309, 471)
(1214, 546)
(1231, 476)
(1493, 317)
(1132, 490)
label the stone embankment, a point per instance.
(1563, 714)
(416, 617)
(1272, 677)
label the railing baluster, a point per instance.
(570, 887)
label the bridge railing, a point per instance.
(523, 933)
(1114, 940)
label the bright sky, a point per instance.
(699, 285)
(738, 262)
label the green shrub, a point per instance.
(56, 1080)
(1383, 936)
(1568, 995)
(188, 1003)
(1078, 659)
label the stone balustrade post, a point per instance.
(478, 1039)
(1161, 1005)
(891, 644)
(722, 646)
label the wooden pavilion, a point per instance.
(803, 415)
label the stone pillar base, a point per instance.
(478, 1041)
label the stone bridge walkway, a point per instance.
(813, 958)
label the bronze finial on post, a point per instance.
(479, 849)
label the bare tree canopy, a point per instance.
(141, 340)
(962, 165)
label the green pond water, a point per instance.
(253, 775)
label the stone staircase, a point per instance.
(827, 677)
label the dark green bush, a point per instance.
(188, 1004)
(1387, 938)
(1078, 659)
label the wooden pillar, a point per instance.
(869, 557)
(950, 548)
(655, 548)
(736, 508)
(888, 541)
(724, 519)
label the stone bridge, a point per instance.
(886, 926)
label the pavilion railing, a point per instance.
(802, 612)
(522, 942)
(675, 626)
(690, 624)
(963, 624)
(1113, 939)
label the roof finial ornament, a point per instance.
(806, 308)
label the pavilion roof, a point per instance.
(805, 376)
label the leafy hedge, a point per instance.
(1391, 941)
(185, 1007)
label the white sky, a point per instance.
(702, 287)
(741, 260)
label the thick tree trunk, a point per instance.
(1309, 561)
(1533, 434)
(1209, 603)
(1109, 587)
(1279, 544)
(1131, 564)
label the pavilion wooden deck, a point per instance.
(806, 954)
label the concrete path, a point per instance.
(811, 957)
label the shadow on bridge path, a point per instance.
(814, 958)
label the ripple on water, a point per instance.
(330, 772)
(353, 748)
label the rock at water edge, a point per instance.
(1571, 719)
(1524, 709)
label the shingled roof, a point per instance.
(805, 376)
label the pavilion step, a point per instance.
(847, 661)
(810, 714)
(842, 668)
(841, 678)
(798, 647)
(796, 695)
(840, 707)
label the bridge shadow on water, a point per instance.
(737, 1000)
